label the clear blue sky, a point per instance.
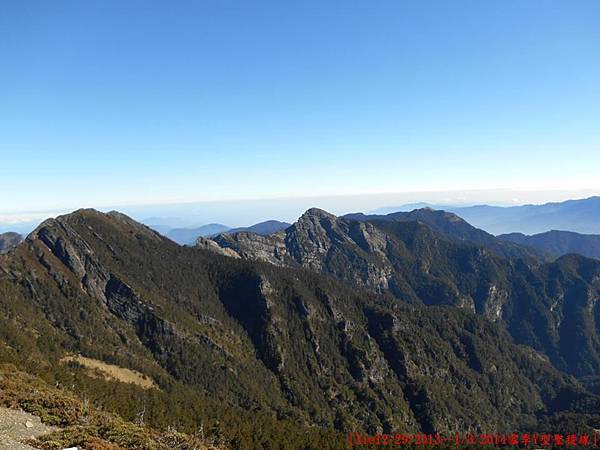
(125, 102)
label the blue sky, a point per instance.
(140, 102)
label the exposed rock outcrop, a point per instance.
(9, 241)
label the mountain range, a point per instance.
(455, 228)
(263, 356)
(416, 322)
(541, 303)
(551, 244)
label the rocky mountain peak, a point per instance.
(113, 219)
(316, 214)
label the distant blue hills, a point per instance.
(188, 236)
(580, 216)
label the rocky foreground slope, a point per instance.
(34, 414)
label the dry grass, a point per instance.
(112, 372)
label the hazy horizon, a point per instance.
(245, 212)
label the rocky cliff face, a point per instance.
(269, 249)
(8, 241)
(213, 246)
(417, 264)
(319, 241)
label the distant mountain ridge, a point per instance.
(558, 243)
(267, 227)
(580, 216)
(187, 236)
(454, 227)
